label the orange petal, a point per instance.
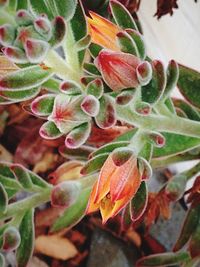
(103, 183)
(102, 31)
(125, 181)
(92, 207)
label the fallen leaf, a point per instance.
(35, 262)
(5, 155)
(55, 246)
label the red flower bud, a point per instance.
(118, 69)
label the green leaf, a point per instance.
(37, 180)
(94, 164)
(91, 69)
(139, 202)
(26, 230)
(108, 148)
(43, 105)
(152, 92)
(26, 78)
(127, 44)
(188, 109)
(122, 16)
(172, 78)
(175, 144)
(20, 95)
(189, 85)
(3, 199)
(138, 40)
(189, 226)
(53, 8)
(95, 49)
(52, 85)
(2, 261)
(164, 259)
(73, 214)
(5, 170)
(22, 176)
(49, 131)
(80, 153)
(10, 183)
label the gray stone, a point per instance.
(166, 232)
(108, 251)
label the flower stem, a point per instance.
(26, 204)
(60, 67)
(173, 124)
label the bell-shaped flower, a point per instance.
(103, 32)
(118, 182)
(118, 69)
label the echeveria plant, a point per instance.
(87, 78)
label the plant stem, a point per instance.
(173, 124)
(26, 204)
(162, 163)
(60, 67)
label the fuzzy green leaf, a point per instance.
(94, 164)
(3, 199)
(189, 85)
(73, 214)
(53, 8)
(26, 230)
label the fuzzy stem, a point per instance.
(60, 67)
(161, 123)
(162, 163)
(26, 204)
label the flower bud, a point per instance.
(78, 136)
(144, 73)
(90, 105)
(70, 88)
(15, 54)
(36, 50)
(11, 239)
(23, 18)
(7, 34)
(118, 69)
(43, 26)
(65, 194)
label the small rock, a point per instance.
(108, 251)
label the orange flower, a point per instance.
(118, 182)
(103, 32)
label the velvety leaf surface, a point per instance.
(26, 229)
(189, 85)
(54, 8)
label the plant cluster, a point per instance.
(89, 78)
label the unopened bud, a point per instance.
(90, 105)
(36, 50)
(144, 73)
(70, 88)
(43, 27)
(15, 54)
(23, 18)
(7, 34)
(11, 239)
(78, 136)
(65, 194)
